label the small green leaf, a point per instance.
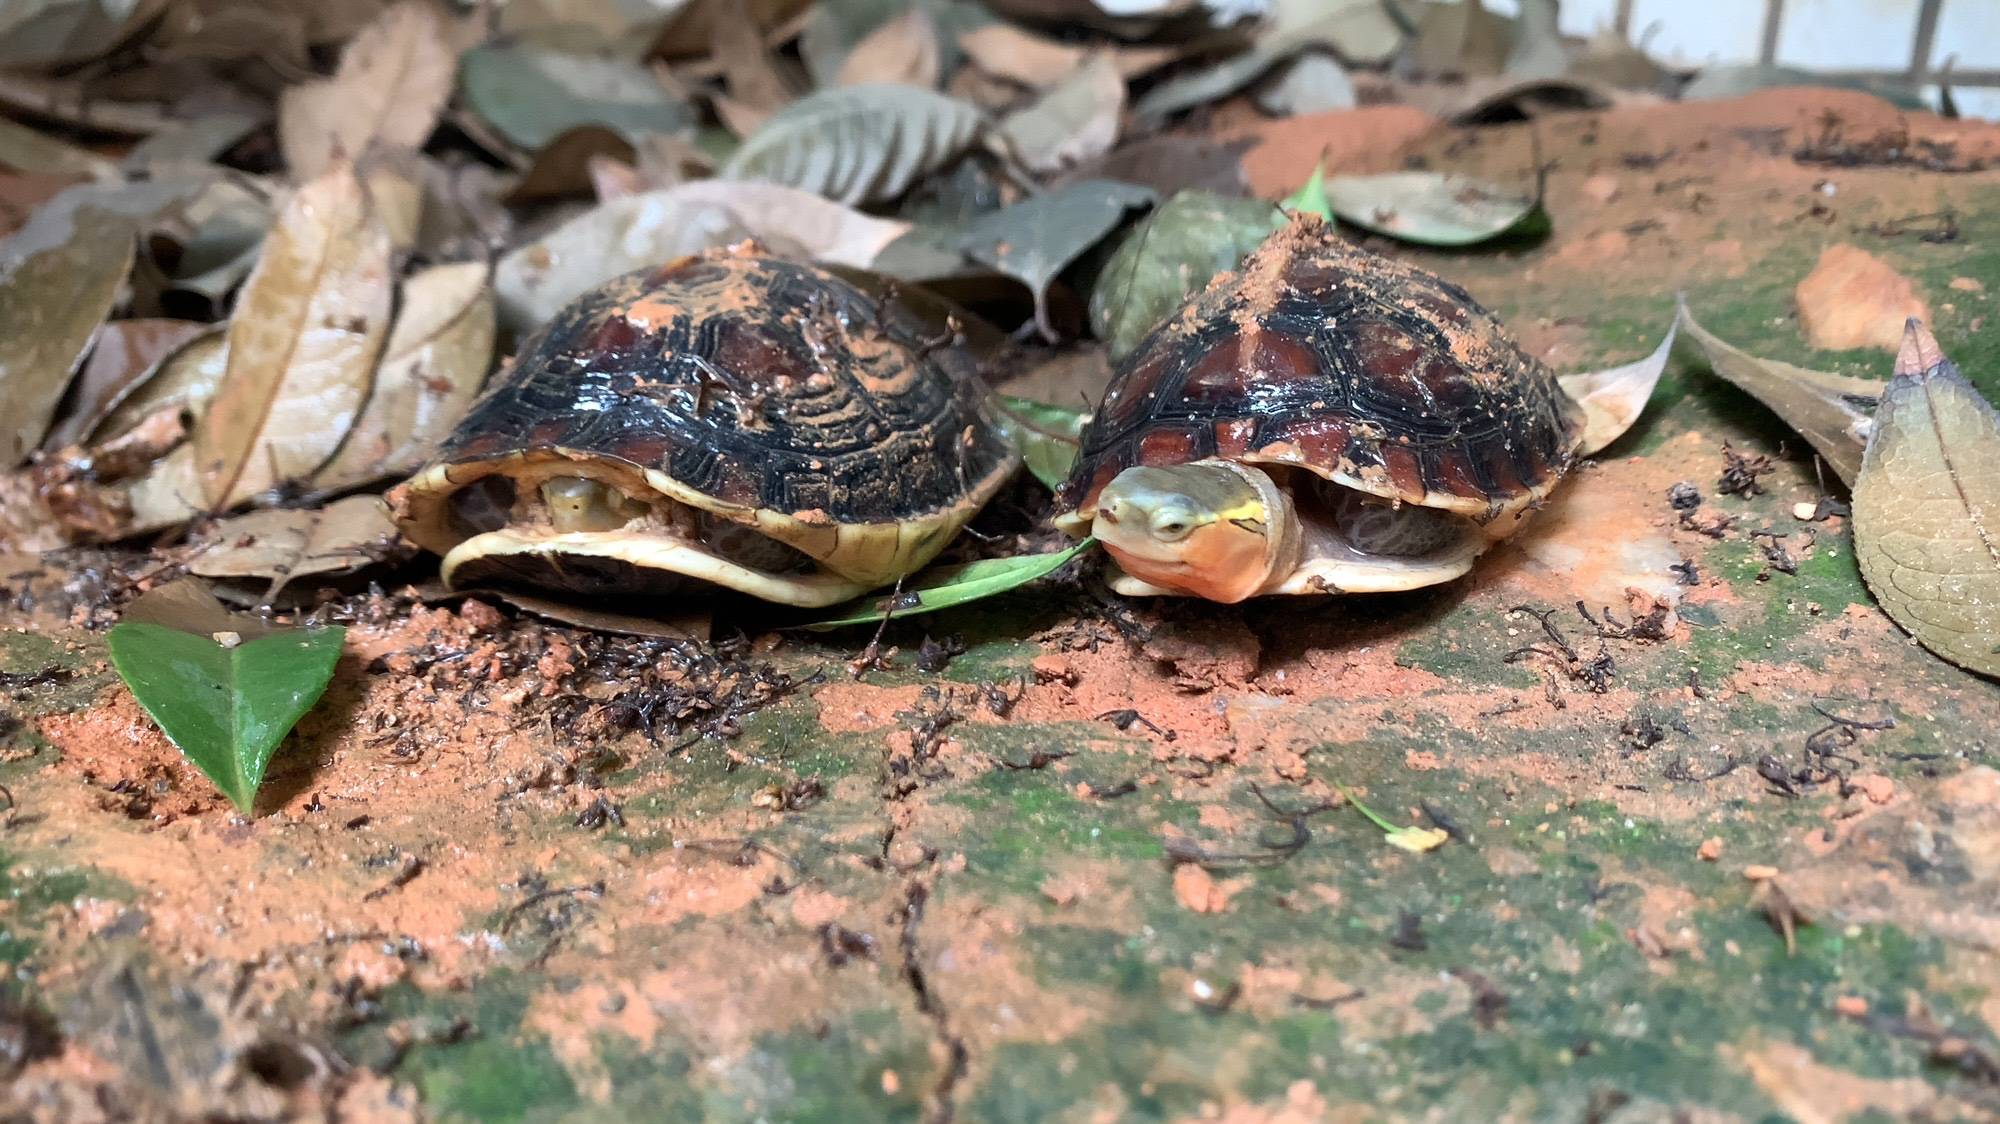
(1311, 198)
(1408, 837)
(1047, 437)
(1172, 254)
(952, 586)
(226, 708)
(1433, 209)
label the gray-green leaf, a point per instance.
(1191, 237)
(1927, 508)
(226, 696)
(951, 586)
(1034, 240)
(1047, 437)
(532, 96)
(52, 301)
(857, 144)
(1433, 209)
(1832, 412)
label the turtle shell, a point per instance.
(1365, 370)
(843, 423)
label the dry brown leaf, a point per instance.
(753, 79)
(1927, 507)
(68, 101)
(345, 535)
(431, 369)
(56, 288)
(1038, 62)
(395, 187)
(1076, 120)
(740, 118)
(537, 279)
(902, 50)
(562, 169)
(394, 79)
(182, 380)
(302, 344)
(125, 352)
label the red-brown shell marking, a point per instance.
(1356, 366)
(760, 382)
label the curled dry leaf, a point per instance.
(302, 344)
(1613, 399)
(531, 96)
(431, 369)
(857, 144)
(168, 492)
(753, 79)
(1076, 120)
(394, 79)
(181, 380)
(537, 279)
(903, 50)
(1927, 507)
(1832, 412)
(125, 352)
(56, 287)
(283, 544)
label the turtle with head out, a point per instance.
(1328, 420)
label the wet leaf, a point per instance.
(52, 299)
(1047, 437)
(1832, 412)
(531, 96)
(1189, 239)
(431, 369)
(394, 79)
(857, 144)
(226, 708)
(951, 586)
(302, 344)
(1033, 240)
(1076, 120)
(1927, 507)
(287, 543)
(1433, 209)
(903, 51)
(536, 280)
(124, 352)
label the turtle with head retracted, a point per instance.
(1328, 420)
(726, 420)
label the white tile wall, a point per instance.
(1969, 29)
(1700, 31)
(1848, 34)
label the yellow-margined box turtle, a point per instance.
(730, 419)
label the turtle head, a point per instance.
(1211, 529)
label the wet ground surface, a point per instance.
(1722, 839)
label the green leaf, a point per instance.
(951, 586)
(1311, 197)
(1927, 507)
(1047, 437)
(226, 708)
(857, 144)
(1408, 837)
(1159, 263)
(1434, 209)
(1832, 412)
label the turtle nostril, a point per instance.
(1109, 512)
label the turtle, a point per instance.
(729, 419)
(1323, 420)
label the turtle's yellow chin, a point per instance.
(1209, 529)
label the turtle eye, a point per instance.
(1172, 526)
